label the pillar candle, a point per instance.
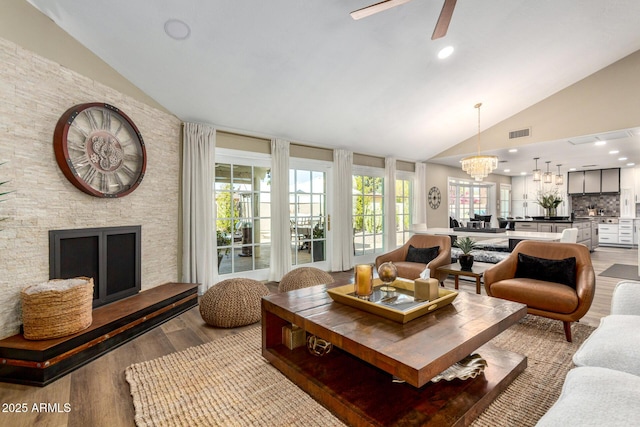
(364, 280)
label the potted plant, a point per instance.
(222, 240)
(466, 245)
(318, 243)
(549, 201)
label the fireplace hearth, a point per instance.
(110, 255)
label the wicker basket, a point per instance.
(57, 308)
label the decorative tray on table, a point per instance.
(398, 305)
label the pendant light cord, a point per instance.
(478, 105)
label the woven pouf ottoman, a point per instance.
(304, 277)
(233, 302)
(57, 308)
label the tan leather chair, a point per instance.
(547, 299)
(412, 270)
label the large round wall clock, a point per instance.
(100, 150)
(434, 198)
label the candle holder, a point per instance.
(363, 283)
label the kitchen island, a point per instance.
(587, 228)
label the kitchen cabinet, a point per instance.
(625, 232)
(575, 182)
(608, 234)
(627, 205)
(610, 180)
(524, 192)
(592, 181)
(553, 228)
(628, 193)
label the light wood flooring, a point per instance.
(98, 395)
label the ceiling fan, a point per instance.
(441, 26)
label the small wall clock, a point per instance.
(100, 150)
(434, 198)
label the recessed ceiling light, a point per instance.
(523, 173)
(513, 150)
(177, 29)
(572, 169)
(601, 142)
(507, 170)
(614, 151)
(622, 159)
(630, 164)
(445, 52)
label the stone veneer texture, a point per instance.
(34, 93)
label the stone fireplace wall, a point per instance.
(34, 92)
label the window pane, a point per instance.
(368, 205)
(243, 217)
(307, 200)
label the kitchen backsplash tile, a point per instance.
(609, 202)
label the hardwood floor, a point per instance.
(98, 395)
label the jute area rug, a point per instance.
(227, 383)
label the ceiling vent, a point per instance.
(602, 137)
(520, 133)
(583, 140)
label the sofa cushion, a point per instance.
(550, 270)
(614, 344)
(422, 255)
(595, 397)
(547, 296)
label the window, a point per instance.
(368, 217)
(505, 200)
(469, 198)
(242, 194)
(308, 213)
(403, 210)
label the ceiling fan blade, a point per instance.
(375, 8)
(443, 21)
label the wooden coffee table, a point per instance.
(477, 270)
(354, 380)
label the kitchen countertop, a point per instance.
(555, 221)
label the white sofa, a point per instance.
(604, 387)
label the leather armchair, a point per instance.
(547, 299)
(412, 270)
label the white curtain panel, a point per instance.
(419, 213)
(342, 224)
(198, 161)
(390, 204)
(280, 223)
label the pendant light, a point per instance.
(559, 177)
(537, 173)
(548, 177)
(479, 166)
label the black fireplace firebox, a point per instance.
(111, 255)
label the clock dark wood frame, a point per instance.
(62, 152)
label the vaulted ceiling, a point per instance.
(306, 71)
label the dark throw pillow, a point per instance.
(550, 270)
(422, 255)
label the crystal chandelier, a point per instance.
(479, 166)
